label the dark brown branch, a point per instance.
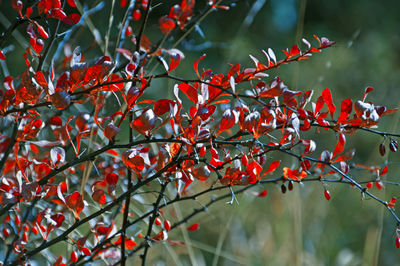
(153, 217)
(13, 139)
(143, 26)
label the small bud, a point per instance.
(283, 188)
(382, 149)
(394, 146)
(290, 186)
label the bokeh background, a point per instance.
(299, 227)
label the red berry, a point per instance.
(157, 221)
(86, 251)
(398, 242)
(25, 237)
(370, 185)
(167, 225)
(379, 184)
(136, 14)
(392, 202)
(128, 31)
(283, 188)
(327, 195)
(74, 256)
(245, 161)
(202, 151)
(6, 232)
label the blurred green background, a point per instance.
(299, 227)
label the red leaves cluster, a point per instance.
(178, 15)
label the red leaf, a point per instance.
(193, 227)
(86, 251)
(348, 155)
(41, 31)
(71, 19)
(206, 112)
(339, 145)
(175, 59)
(145, 122)
(40, 79)
(254, 169)
(272, 167)
(111, 131)
(130, 244)
(384, 171)
(196, 64)
(166, 24)
(162, 106)
(293, 174)
(320, 103)
(273, 92)
(71, 3)
(315, 50)
(132, 161)
(58, 218)
(37, 45)
(345, 109)
(190, 91)
(59, 14)
(294, 50)
(112, 179)
(389, 111)
(75, 203)
(326, 94)
(367, 90)
(229, 119)
(262, 193)
(2, 56)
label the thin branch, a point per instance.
(10, 146)
(142, 27)
(53, 36)
(127, 203)
(153, 217)
(124, 26)
(195, 23)
(116, 202)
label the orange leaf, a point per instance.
(293, 174)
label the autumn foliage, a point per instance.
(70, 159)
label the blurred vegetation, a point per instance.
(299, 227)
